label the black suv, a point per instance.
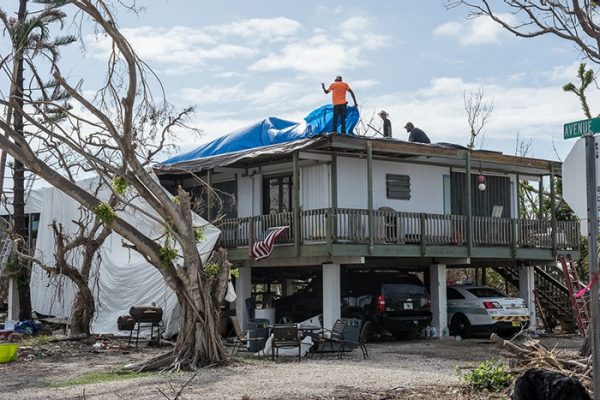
(393, 301)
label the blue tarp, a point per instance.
(268, 132)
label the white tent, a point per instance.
(124, 278)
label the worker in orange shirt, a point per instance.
(339, 89)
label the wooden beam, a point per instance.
(468, 204)
(296, 200)
(209, 194)
(304, 155)
(370, 193)
(553, 211)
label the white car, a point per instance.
(480, 309)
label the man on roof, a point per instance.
(387, 124)
(338, 91)
(416, 135)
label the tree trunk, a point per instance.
(20, 227)
(198, 341)
(82, 312)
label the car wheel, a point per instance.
(286, 318)
(460, 326)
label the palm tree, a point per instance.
(30, 38)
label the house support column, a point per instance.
(243, 290)
(437, 289)
(553, 213)
(13, 300)
(468, 204)
(331, 295)
(526, 287)
(370, 193)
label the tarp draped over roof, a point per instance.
(268, 132)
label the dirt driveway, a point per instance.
(418, 369)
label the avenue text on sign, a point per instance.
(580, 128)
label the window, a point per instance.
(398, 186)
(277, 194)
(486, 292)
(453, 294)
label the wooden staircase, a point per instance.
(551, 292)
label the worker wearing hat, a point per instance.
(415, 134)
(387, 124)
(339, 89)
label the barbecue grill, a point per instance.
(145, 315)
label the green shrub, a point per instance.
(105, 213)
(120, 185)
(491, 375)
(212, 269)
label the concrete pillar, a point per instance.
(13, 300)
(331, 295)
(437, 290)
(243, 290)
(526, 287)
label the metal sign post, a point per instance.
(592, 203)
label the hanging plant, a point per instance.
(199, 233)
(105, 213)
(235, 272)
(167, 254)
(120, 185)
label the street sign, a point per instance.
(580, 128)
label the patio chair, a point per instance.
(332, 343)
(241, 337)
(350, 338)
(285, 336)
(364, 337)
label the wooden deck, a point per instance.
(393, 230)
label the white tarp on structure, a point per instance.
(122, 277)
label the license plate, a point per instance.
(408, 306)
(516, 324)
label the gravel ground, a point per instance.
(395, 370)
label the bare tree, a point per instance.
(571, 20)
(116, 134)
(479, 111)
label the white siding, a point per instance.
(248, 206)
(315, 187)
(426, 184)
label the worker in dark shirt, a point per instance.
(416, 135)
(387, 124)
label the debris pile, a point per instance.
(532, 354)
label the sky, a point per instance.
(238, 62)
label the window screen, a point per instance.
(398, 187)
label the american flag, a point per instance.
(264, 248)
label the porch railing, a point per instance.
(348, 225)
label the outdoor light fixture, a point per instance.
(481, 182)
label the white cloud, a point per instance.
(323, 53)
(261, 28)
(185, 49)
(476, 31)
(564, 73)
(533, 112)
(450, 28)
